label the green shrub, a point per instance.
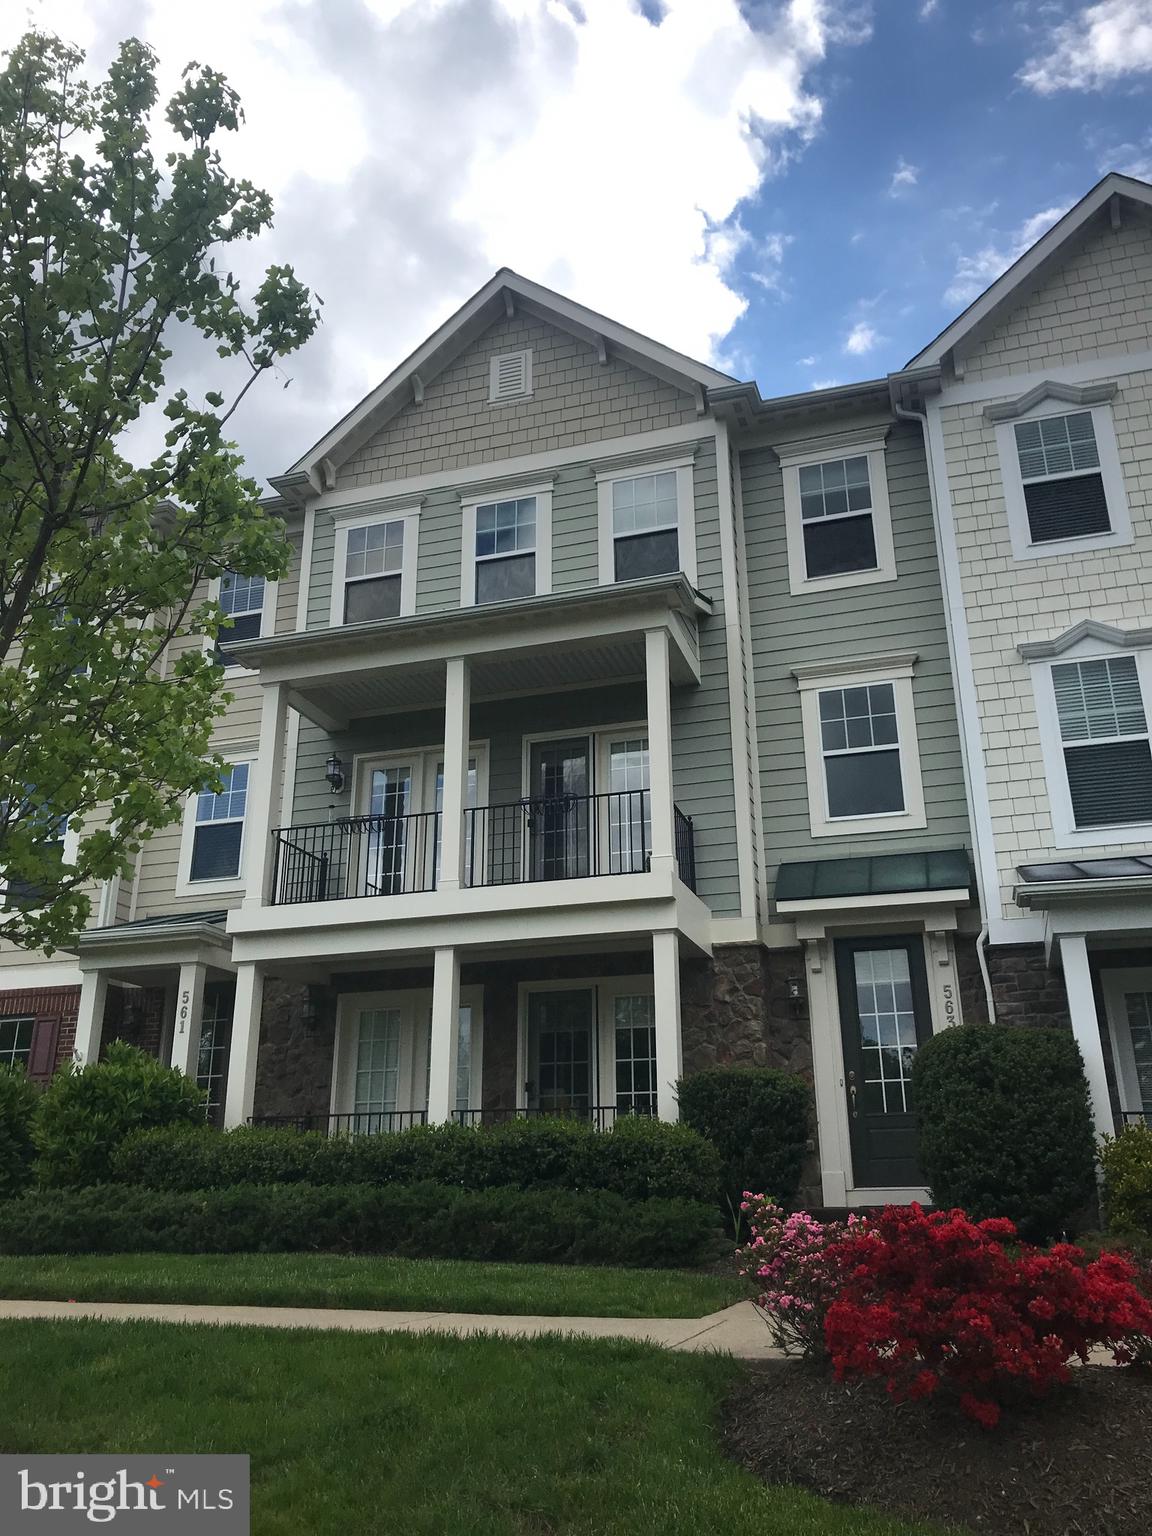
(1005, 1125)
(1127, 1164)
(18, 1100)
(759, 1120)
(85, 1112)
(638, 1158)
(410, 1220)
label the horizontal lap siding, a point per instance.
(792, 631)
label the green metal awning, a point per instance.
(885, 874)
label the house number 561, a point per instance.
(183, 1014)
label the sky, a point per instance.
(803, 192)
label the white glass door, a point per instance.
(389, 805)
(376, 1080)
(1128, 1003)
(629, 817)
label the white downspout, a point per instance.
(982, 937)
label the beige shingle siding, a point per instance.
(575, 399)
(789, 631)
(1095, 304)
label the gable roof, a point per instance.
(1036, 259)
(506, 293)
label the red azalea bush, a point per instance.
(925, 1301)
(787, 1258)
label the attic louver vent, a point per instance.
(510, 376)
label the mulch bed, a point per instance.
(1078, 1464)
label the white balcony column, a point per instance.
(265, 793)
(444, 1046)
(457, 732)
(189, 1016)
(1086, 1027)
(90, 1017)
(658, 685)
(669, 1048)
(241, 1086)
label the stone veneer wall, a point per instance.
(294, 1064)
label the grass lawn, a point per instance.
(358, 1434)
(329, 1280)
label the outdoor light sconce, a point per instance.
(797, 1002)
(334, 773)
(315, 1006)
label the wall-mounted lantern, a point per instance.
(334, 773)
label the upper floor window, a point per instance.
(375, 566)
(860, 747)
(838, 519)
(1104, 739)
(507, 548)
(510, 377)
(647, 522)
(243, 599)
(218, 827)
(1063, 487)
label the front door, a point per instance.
(561, 1051)
(884, 1015)
(1128, 999)
(558, 820)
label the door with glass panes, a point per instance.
(588, 806)
(885, 1015)
(404, 799)
(591, 1047)
(1128, 1001)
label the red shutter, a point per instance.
(42, 1057)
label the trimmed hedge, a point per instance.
(759, 1120)
(1127, 1164)
(639, 1158)
(1005, 1125)
(86, 1112)
(409, 1220)
(18, 1100)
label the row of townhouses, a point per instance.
(615, 721)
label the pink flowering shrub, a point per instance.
(787, 1259)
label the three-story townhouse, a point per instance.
(1037, 403)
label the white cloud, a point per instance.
(928, 8)
(824, 384)
(414, 146)
(807, 362)
(862, 338)
(974, 273)
(1102, 44)
(904, 177)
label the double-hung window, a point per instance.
(507, 547)
(838, 519)
(860, 748)
(217, 833)
(1104, 740)
(243, 599)
(374, 564)
(647, 525)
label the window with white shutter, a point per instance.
(1104, 737)
(510, 377)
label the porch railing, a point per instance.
(602, 1116)
(1136, 1117)
(371, 1123)
(549, 837)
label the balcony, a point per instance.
(564, 837)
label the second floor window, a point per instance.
(860, 741)
(242, 598)
(218, 834)
(836, 514)
(1104, 739)
(373, 572)
(645, 524)
(506, 549)
(1060, 472)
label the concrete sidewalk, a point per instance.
(735, 1331)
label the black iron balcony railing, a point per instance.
(1135, 1117)
(602, 1116)
(367, 1123)
(552, 837)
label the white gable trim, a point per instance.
(1051, 389)
(1086, 629)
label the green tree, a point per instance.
(106, 254)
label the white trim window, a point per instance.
(838, 519)
(861, 754)
(1097, 747)
(250, 604)
(647, 521)
(1063, 486)
(507, 551)
(16, 1041)
(374, 567)
(510, 377)
(212, 850)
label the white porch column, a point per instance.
(658, 684)
(669, 1049)
(90, 1017)
(265, 790)
(241, 1086)
(457, 730)
(1086, 1027)
(445, 1042)
(189, 1014)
